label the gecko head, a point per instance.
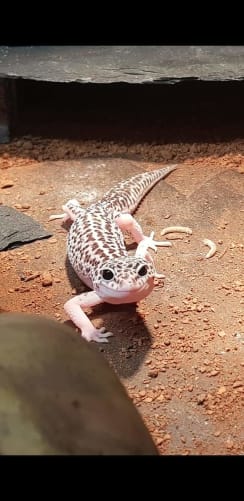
(124, 280)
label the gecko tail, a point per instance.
(127, 195)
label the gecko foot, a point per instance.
(149, 243)
(98, 335)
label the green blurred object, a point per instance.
(58, 394)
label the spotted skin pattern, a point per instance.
(97, 251)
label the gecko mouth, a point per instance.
(132, 289)
(119, 296)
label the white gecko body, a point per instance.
(97, 251)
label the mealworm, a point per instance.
(211, 246)
(56, 216)
(176, 229)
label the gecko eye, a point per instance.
(142, 271)
(107, 274)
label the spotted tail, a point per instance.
(127, 195)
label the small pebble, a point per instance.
(221, 390)
(213, 373)
(167, 342)
(7, 184)
(167, 436)
(221, 334)
(185, 320)
(237, 384)
(229, 444)
(159, 441)
(152, 373)
(201, 399)
(142, 393)
(46, 279)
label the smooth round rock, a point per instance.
(58, 394)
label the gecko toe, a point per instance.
(97, 335)
(109, 334)
(104, 334)
(101, 336)
(100, 339)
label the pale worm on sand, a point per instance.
(211, 246)
(176, 229)
(56, 216)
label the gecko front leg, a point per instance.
(126, 222)
(73, 308)
(141, 251)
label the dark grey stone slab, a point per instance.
(17, 229)
(130, 64)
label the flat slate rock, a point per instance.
(17, 229)
(130, 64)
